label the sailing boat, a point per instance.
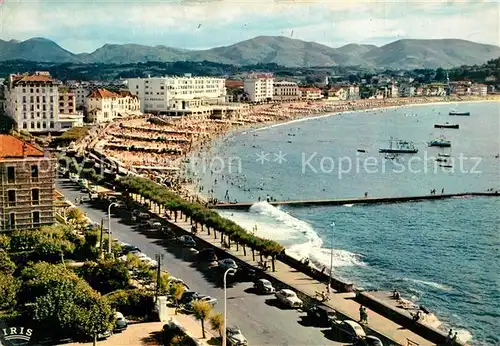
(455, 112)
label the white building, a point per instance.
(32, 101)
(186, 94)
(259, 87)
(479, 89)
(310, 93)
(285, 91)
(104, 105)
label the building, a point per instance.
(104, 105)
(177, 95)
(28, 185)
(407, 90)
(310, 93)
(32, 101)
(393, 91)
(337, 93)
(285, 91)
(259, 87)
(479, 89)
(353, 92)
(460, 88)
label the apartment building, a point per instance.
(479, 89)
(259, 87)
(310, 93)
(27, 185)
(178, 95)
(104, 105)
(285, 91)
(32, 101)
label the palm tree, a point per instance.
(201, 310)
(217, 323)
(176, 290)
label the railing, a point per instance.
(411, 343)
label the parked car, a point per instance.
(263, 286)
(174, 280)
(289, 298)
(243, 274)
(167, 232)
(188, 297)
(207, 255)
(120, 322)
(187, 241)
(321, 315)
(189, 306)
(348, 330)
(235, 337)
(144, 216)
(155, 224)
(227, 263)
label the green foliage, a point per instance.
(76, 217)
(4, 242)
(24, 240)
(7, 267)
(201, 310)
(106, 276)
(217, 323)
(132, 303)
(176, 290)
(200, 214)
(71, 135)
(57, 299)
(9, 287)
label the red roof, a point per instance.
(34, 78)
(12, 147)
(102, 94)
(234, 83)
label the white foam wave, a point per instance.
(430, 284)
(299, 237)
(464, 335)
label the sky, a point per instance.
(83, 26)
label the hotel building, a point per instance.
(27, 185)
(33, 102)
(259, 87)
(103, 105)
(285, 91)
(178, 95)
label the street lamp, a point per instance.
(331, 260)
(224, 336)
(109, 226)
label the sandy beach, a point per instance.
(157, 149)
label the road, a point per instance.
(259, 319)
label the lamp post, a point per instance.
(331, 259)
(109, 226)
(224, 336)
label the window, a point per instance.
(51, 124)
(32, 125)
(12, 198)
(12, 220)
(38, 125)
(34, 172)
(11, 175)
(36, 218)
(25, 126)
(35, 196)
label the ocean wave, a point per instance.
(430, 284)
(298, 237)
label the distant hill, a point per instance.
(402, 54)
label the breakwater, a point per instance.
(364, 200)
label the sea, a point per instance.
(442, 254)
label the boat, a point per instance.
(454, 112)
(446, 166)
(361, 151)
(444, 155)
(441, 142)
(397, 146)
(446, 126)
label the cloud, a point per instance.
(84, 26)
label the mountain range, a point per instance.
(401, 54)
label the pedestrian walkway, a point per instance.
(341, 302)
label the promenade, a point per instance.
(362, 200)
(341, 302)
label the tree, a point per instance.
(176, 290)
(135, 303)
(201, 310)
(58, 300)
(7, 267)
(9, 287)
(76, 217)
(217, 323)
(4, 242)
(24, 240)
(105, 276)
